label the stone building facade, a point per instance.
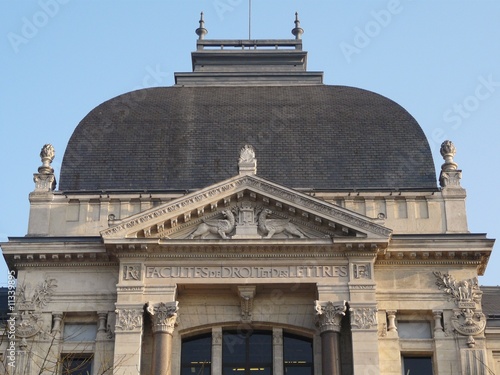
(250, 220)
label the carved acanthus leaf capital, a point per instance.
(164, 316)
(329, 315)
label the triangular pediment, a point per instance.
(247, 207)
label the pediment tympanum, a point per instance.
(247, 207)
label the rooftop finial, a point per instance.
(297, 31)
(45, 181)
(247, 163)
(448, 151)
(450, 176)
(47, 155)
(201, 31)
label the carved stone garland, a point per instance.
(466, 295)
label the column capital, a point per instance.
(164, 316)
(329, 315)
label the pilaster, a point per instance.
(278, 351)
(128, 338)
(217, 351)
(364, 331)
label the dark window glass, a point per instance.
(417, 366)
(76, 365)
(247, 353)
(297, 355)
(196, 355)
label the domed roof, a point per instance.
(310, 136)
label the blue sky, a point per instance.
(439, 59)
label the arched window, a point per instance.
(196, 356)
(247, 353)
(297, 355)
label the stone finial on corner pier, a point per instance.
(45, 180)
(201, 31)
(247, 163)
(297, 31)
(450, 176)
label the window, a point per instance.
(196, 355)
(297, 355)
(247, 353)
(76, 365)
(417, 365)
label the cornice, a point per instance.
(69, 264)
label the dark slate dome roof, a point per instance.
(179, 138)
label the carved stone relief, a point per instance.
(215, 226)
(128, 319)
(132, 271)
(30, 320)
(270, 227)
(361, 270)
(466, 295)
(363, 317)
(247, 294)
(246, 221)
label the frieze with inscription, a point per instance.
(247, 272)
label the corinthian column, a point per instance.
(329, 318)
(164, 316)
